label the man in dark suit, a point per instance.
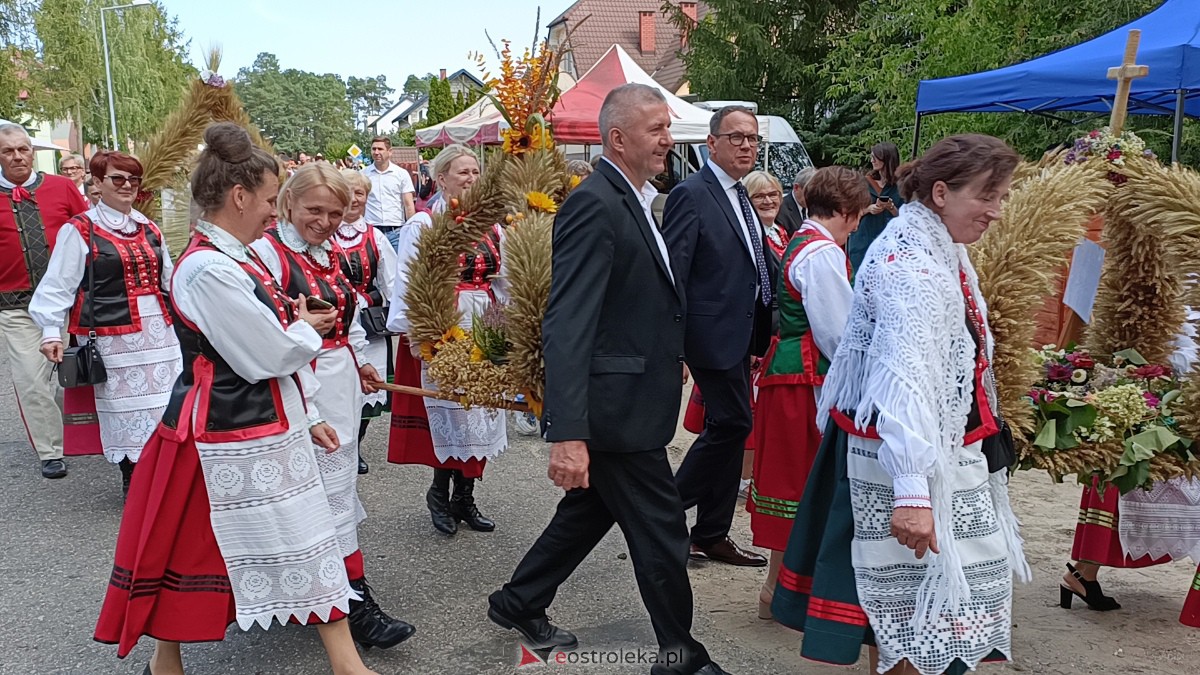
(717, 243)
(613, 344)
(793, 212)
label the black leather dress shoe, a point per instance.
(362, 465)
(538, 632)
(54, 468)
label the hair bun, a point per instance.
(229, 142)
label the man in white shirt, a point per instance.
(390, 201)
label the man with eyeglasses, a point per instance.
(73, 167)
(717, 248)
(33, 207)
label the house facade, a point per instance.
(588, 28)
(413, 109)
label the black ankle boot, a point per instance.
(438, 499)
(370, 626)
(362, 464)
(126, 467)
(462, 505)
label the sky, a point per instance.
(363, 38)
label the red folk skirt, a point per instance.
(1190, 616)
(786, 440)
(169, 580)
(693, 415)
(81, 426)
(1097, 539)
(409, 441)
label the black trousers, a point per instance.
(709, 475)
(635, 491)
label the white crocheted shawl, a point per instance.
(907, 350)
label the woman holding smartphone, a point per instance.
(301, 254)
(885, 201)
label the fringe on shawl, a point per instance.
(1010, 525)
(945, 587)
(858, 381)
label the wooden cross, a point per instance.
(1125, 74)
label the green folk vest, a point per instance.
(794, 357)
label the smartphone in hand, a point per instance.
(315, 304)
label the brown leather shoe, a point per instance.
(727, 552)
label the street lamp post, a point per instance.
(112, 109)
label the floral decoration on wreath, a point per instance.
(1124, 407)
(500, 358)
(1108, 409)
(1102, 144)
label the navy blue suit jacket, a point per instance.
(712, 265)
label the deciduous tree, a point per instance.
(297, 110)
(148, 56)
(368, 96)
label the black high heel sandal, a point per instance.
(1093, 595)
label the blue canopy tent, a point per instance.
(1075, 79)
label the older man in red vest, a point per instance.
(33, 206)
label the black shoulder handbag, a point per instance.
(374, 321)
(999, 450)
(81, 365)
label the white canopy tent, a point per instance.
(480, 124)
(38, 143)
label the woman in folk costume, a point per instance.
(300, 254)
(109, 275)
(459, 441)
(369, 262)
(904, 537)
(1142, 528)
(228, 518)
(814, 302)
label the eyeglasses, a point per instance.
(72, 168)
(120, 181)
(766, 196)
(737, 138)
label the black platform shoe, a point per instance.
(438, 499)
(126, 467)
(462, 505)
(370, 626)
(1092, 594)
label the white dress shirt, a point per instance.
(728, 184)
(56, 293)
(645, 197)
(385, 202)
